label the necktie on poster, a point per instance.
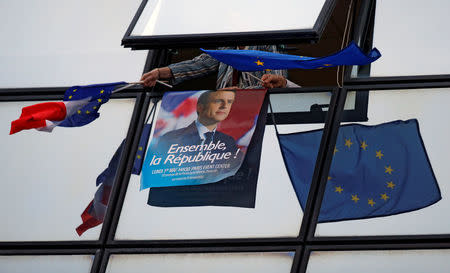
(238, 190)
(178, 153)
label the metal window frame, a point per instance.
(303, 244)
(223, 39)
(198, 250)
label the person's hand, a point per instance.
(149, 78)
(273, 81)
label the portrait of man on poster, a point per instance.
(213, 107)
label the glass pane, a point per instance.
(48, 264)
(55, 43)
(205, 262)
(305, 102)
(399, 33)
(384, 175)
(48, 179)
(277, 212)
(181, 17)
(411, 261)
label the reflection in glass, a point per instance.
(48, 264)
(92, 53)
(398, 33)
(48, 179)
(199, 16)
(411, 261)
(306, 102)
(207, 262)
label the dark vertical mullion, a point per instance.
(324, 16)
(97, 260)
(297, 259)
(155, 58)
(120, 170)
(362, 104)
(104, 261)
(327, 158)
(127, 172)
(304, 262)
(360, 30)
(307, 217)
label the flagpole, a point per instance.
(131, 84)
(258, 79)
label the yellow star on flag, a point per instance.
(384, 196)
(99, 100)
(335, 150)
(259, 63)
(327, 64)
(364, 145)
(390, 184)
(138, 157)
(371, 202)
(102, 91)
(70, 97)
(339, 189)
(355, 198)
(140, 148)
(75, 90)
(348, 143)
(95, 107)
(388, 169)
(79, 111)
(329, 177)
(87, 112)
(379, 154)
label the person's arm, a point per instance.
(149, 78)
(200, 66)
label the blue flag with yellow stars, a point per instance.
(376, 170)
(91, 97)
(79, 107)
(255, 60)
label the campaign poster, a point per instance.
(200, 137)
(238, 190)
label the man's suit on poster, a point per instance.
(238, 190)
(189, 136)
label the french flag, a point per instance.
(79, 107)
(177, 110)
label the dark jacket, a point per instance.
(189, 136)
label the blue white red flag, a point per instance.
(79, 107)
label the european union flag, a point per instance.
(376, 170)
(95, 211)
(254, 60)
(79, 107)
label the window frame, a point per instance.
(303, 244)
(223, 39)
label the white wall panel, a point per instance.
(64, 43)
